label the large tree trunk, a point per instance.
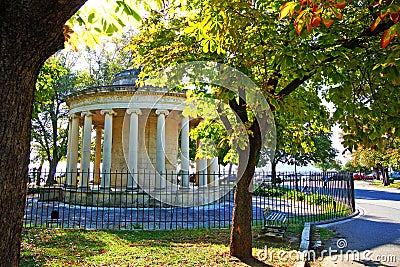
(30, 31)
(241, 236)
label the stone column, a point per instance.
(73, 152)
(160, 152)
(97, 157)
(107, 148)
(202, 171)
(68, 148)
(86, 142)
(185, 162)
(133, 148)
(213, 179)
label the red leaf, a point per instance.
(316, 20)
(340, 5)
(394, 17)
(376, 4)
(327, 23)
(375, 24)
(383, 16)
(387, 37)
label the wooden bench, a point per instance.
(54, 219)
(52, 222)
(275, 223)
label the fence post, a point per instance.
(353, 200)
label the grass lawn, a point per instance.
(379, 184)
(74, 247)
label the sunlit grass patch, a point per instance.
(379, 184)
(74, 247)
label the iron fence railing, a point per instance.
(206, 203)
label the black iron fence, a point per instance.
(148, 200)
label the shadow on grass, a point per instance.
(41, 245)
(60, 247)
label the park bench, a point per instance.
(54, 219)
(275, 223)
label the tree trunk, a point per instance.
(378, 176)
(241, 236)
(52, 171)
(296, 179)
(385, 176)
(39, 173)
(230, 170)
(273, 173)
(30, 31)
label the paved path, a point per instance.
(373, 237)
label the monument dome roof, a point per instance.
(126, 77)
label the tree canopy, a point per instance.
(279, 58)
(49, 119)
(246, 35)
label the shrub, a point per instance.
(268, 192)
(33, 190)
(320, 199)
(297, 195)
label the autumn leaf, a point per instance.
(387, 36)
(316, 20)
(287, 8)
(382, 16)
(375, 24)
(327, 23)
(395, 17)
(341, 4)
(101, 251)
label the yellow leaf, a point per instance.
(287, 9)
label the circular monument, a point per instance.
(127, 141)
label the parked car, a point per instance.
(370, 176)
(358, 176)
(394, 175)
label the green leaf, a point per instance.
(91, 17)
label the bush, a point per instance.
(320, 199)
(259, 191)
(33, 190)
(268, 192)
(297, 195)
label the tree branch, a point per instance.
(357, 42)
(292, 86)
